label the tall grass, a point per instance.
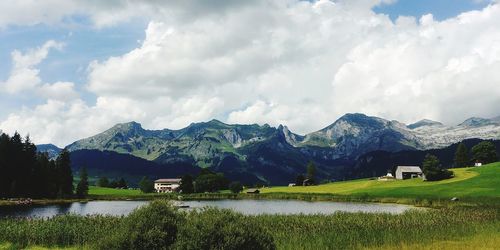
(212, 227)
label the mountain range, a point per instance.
(261, 153)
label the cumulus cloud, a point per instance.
(24, 75)
(298, 63)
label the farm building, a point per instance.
(408, 172)
(387, 177)
(253, 191)
(167, 185)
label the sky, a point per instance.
(70, 69)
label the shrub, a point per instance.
(153, 226)
(235, 187)
(213, 228)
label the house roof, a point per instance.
(409, 169)
(168, 181)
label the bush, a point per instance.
(153, 226)
(235, 187)
(213, 228)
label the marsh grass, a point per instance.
(415, 228)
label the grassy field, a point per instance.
(468, 183)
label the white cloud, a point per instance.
(24, 75)
(296, 63)
(63, 91)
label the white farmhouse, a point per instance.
(167, 185)
(408, 172)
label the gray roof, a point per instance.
(409, 169)
(168, 181)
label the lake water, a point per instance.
(251, 207)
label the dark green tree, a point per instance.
(82, 189)
(432, 169)
(122, 183)
(461, 156)
(146, 185)
(235, 187)
(64, 174)
(485, 152)
(311, 172)
(299, 181)
(187, 186)
(103, 182)
(210, 182)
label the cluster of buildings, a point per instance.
(403, 173)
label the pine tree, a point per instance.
(311, 171)
(64, 174)
(461, 156)
(146, 185)
(432, 169)
(186, 186)
(82, 189)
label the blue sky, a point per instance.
(440, 9)
(82, 45)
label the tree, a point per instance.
(235, 187)
(311, 171)
(210, 182)
(82, 189)
(432, 169)
(299, 181)
(64, 174)
(146, 185)
(461, 156)
(186, 186)
(122, 184)
(485, 152)
(103, 182)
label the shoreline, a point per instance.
(417, 202)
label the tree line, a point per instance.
(26, 173)
(484, 152)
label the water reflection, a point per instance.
(251, 207)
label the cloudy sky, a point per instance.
(72, 68)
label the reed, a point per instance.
(337, 231)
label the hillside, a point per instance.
(377, 163)
(468, 183)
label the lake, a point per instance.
(250, 207)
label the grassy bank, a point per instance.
(480, 184)
(471, 185)
(458, 226)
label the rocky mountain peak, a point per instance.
(478, 121)
(424, 122)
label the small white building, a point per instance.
(408, 172)
(167, 185)
(387, 177)
(478, 164)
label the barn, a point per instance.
(408, 172)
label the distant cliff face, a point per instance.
(267, 153)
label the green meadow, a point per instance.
(474, 184)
